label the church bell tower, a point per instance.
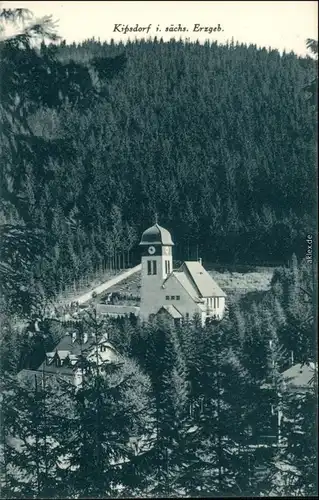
(157, 264)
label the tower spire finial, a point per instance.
(156, 218)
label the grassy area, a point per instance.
(237, 284)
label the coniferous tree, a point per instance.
(31, 426)
(166, 366)
(110, 407)
(295, 462)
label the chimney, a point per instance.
(291, 358)
(200, 261)
(73, 335)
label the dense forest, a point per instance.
(219, 142)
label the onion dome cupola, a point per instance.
(156, 235)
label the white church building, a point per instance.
(177, 294)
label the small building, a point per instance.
(179, 293)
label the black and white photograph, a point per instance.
(158, 249)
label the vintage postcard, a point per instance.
(158, 251)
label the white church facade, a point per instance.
(178, 294)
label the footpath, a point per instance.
(81, 299)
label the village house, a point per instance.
(70, 356)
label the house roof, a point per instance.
(299, 376)
(206, 285)
(71, 350)
(75, 347)
(172, 311)
(156, 235)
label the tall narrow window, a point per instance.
(154, 267)
(168, 267)
(217, 301)
(214, 303)
(149, 267)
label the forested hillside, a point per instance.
(218, 140)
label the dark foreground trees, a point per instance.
(185, 416)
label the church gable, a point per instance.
(178, 281)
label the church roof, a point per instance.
(156, 235)
(196, 282)
(202, 280)
(172, 311)
(186, 284)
